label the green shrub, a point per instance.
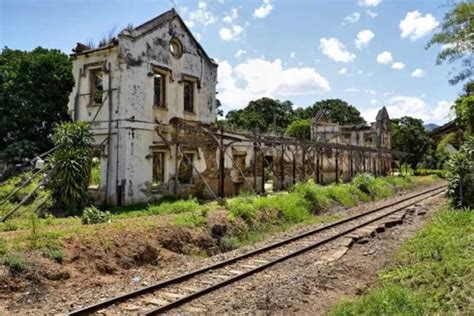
(8, 226)
(461, 175)
(14, 262)
(228, 243)
(317, 195)
(174, 207)
(365, 182)
(242, 207)
(92, 215)
(342, 194)
(390, 300)
(383, 188)
(3, 247)
(190, 219)
(54, 253)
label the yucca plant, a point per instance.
(71, 162)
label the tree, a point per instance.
(300, 129)
(409, 135)
(338, 111)
(464, 109)
(457, 40)
(219, 111)
(34, 91)
(264, 115)
(71, 162)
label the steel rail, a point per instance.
(180, 278)
(192, 296)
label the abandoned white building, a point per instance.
(149, 95)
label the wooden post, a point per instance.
(221, 167)
(263, 172)
(294, 165)
(255, 161)
(321, 176)
(337, 166)
(318, 179)
(176, 167)
(363, 160)
(351, 168)
(304, 164)
(282, 167)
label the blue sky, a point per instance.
(368, 52)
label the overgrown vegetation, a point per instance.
(433, 274)
(92, 215)
(461, 175)
(263, 214)
(71, 162)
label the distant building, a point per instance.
(377, 135)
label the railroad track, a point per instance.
(172, 293)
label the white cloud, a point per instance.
(373, 101)
(351, 90)
(369, 3)
(353, 18)
(256, 78)
(231, 16)
(442, 110)
(230, 34)
(201, 15)
(239, 53)
(398, 106)
(418, 73)
(342, 71)
(398, 65)
(292, 54)
(334, 49)
(372, 14)
(385, 58)
(415, 25)
(363, 38)
(263, 10)
(372, 92)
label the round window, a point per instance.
(176, 47)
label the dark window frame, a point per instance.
(189, 100)
(94, 96)
(190, 163)
(162, 78)
(160, 181)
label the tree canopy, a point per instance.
(457, 38)
(300, 129)
(409, 135)
(34, 91)
(264, 115)
(267, 115)
(337, 110)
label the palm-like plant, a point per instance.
(71, 162)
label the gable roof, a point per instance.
(321, 114)
(143, 29)
(382, 114)
(163, 18)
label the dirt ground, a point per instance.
(133, 260)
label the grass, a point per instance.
(260, 216)
(14, 262)
(433, 274)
